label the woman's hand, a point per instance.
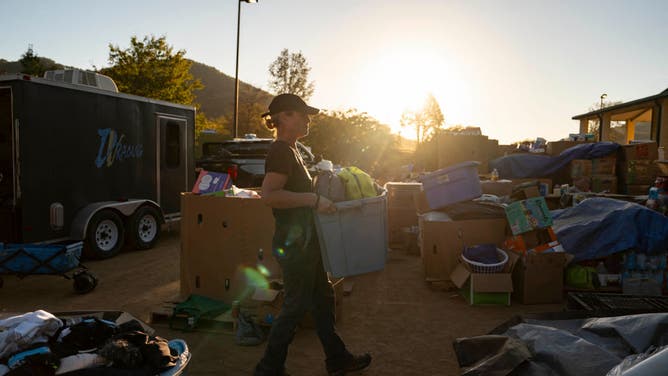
(326, 206)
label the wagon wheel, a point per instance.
(84, 281)
(105, 234)
(144, 227)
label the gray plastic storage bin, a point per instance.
(354, 239)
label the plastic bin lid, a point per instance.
(454, 167)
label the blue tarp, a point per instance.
(599, 227)
(521, 166)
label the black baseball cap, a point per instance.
(289, 102)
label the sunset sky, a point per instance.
(517, 69)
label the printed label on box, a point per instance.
(527, 215)
(209, 182)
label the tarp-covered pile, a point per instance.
(578, 347)
(599, 227)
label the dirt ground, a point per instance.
(407, 325)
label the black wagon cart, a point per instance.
(22, 260)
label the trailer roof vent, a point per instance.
(82, 77)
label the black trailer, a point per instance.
(81, 163)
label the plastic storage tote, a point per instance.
(353, 240)
(452, 184)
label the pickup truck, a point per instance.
(243, 159)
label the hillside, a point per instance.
(216, 98)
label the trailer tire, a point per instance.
(144, 227)
(105, 235)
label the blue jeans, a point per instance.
(306, 288)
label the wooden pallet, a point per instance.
(222, 324)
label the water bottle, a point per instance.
(652, 198)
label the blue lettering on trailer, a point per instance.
(115, 148)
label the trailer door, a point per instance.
(172, 163)
(8, 218)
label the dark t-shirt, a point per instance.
(286, 160)
(294, 225)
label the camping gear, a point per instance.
(358, 183)
(330, 185)
(58, 259)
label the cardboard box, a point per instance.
(555, 148)
(420, 201)
(580, 168)
(485, 288)
(400, 218)
(442, 240)
(266, 304)
(600, 183)
(538, 278)
(226, 246)
(636, 172)
(499, 188)
(636, 190)
(603, 166)
(662, 166)
(544, 184)
(400, 195)
(591, 167)
(604, 183)
(455, 149)
(639, 151)
(527, 215)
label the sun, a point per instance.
(400, 80)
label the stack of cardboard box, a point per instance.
(594, 175)
(637, 167)
(555, 148)
(401, 213)
(454, 149)
(538, 273)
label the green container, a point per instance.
(484, 298)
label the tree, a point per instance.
(289, 74)
(426, 121)
(352, 138)
(34, 65)
(150, 68)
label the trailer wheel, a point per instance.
(144, 227)
(105, 234)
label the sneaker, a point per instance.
(354, 363)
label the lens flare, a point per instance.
(255, 278)
(263, 270)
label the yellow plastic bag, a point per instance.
(358, 183)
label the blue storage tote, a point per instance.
(39, 258)
(452, 184)
(353, 240)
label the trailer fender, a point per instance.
(126, 208)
